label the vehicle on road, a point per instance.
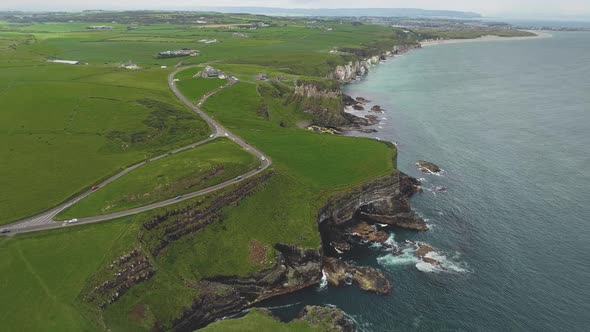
(178, 197)
(226, 135)
(4, 231)
(72, 221)
(239, 178)
(94, 187)
(263, 158)
(211, 136)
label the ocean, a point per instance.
(509, 123)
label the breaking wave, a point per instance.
(404, 254)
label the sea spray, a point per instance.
(323, 282)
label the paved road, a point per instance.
(45, 220)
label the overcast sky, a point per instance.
(522, 8)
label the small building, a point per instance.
(262, 77)
(100, 27)
(65, 62)
(178, 53)
(210, 72)
(208, 41)
(130, 65)
(163, 67)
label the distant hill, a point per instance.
(383, 12)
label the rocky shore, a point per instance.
(358, 216)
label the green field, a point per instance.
(188, 171)
(195, 88)
(43, 274)
(65, 127)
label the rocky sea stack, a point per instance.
(427, 167)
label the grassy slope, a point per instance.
(309, 168)
(182, 173)
(256, 321)
(195, 88)
(41, 280)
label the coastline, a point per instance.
(377, 118)
(539, 35)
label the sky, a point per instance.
(498, 8)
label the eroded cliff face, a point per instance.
(380, 200)
(383, 200)
(313, 91)
(296, 268)
(353, 69)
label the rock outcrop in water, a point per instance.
(427, 167)
(339, 273)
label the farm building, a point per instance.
(208, 41)
(262, 77)
(66, 62)
(178, 53)
(209, 72)
(100, 27)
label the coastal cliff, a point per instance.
(358, 68)
(383, 200)
(221, 296)
(380, 200)
(325, 100)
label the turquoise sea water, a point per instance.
(509, 122)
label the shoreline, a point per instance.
(366, 113)
(538, 35)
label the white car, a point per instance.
(211, 136)
(226, 135)
(72, 221)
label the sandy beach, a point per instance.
(539, 34)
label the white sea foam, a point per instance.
(407, 256)
(323, 282)
(392, 260)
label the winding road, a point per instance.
(44, 220)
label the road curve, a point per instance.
(44, 220)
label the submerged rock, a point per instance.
(358, 107)
(377, 109)
(362, 100)
(339, 273)
(427, 167)
(426, 253)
